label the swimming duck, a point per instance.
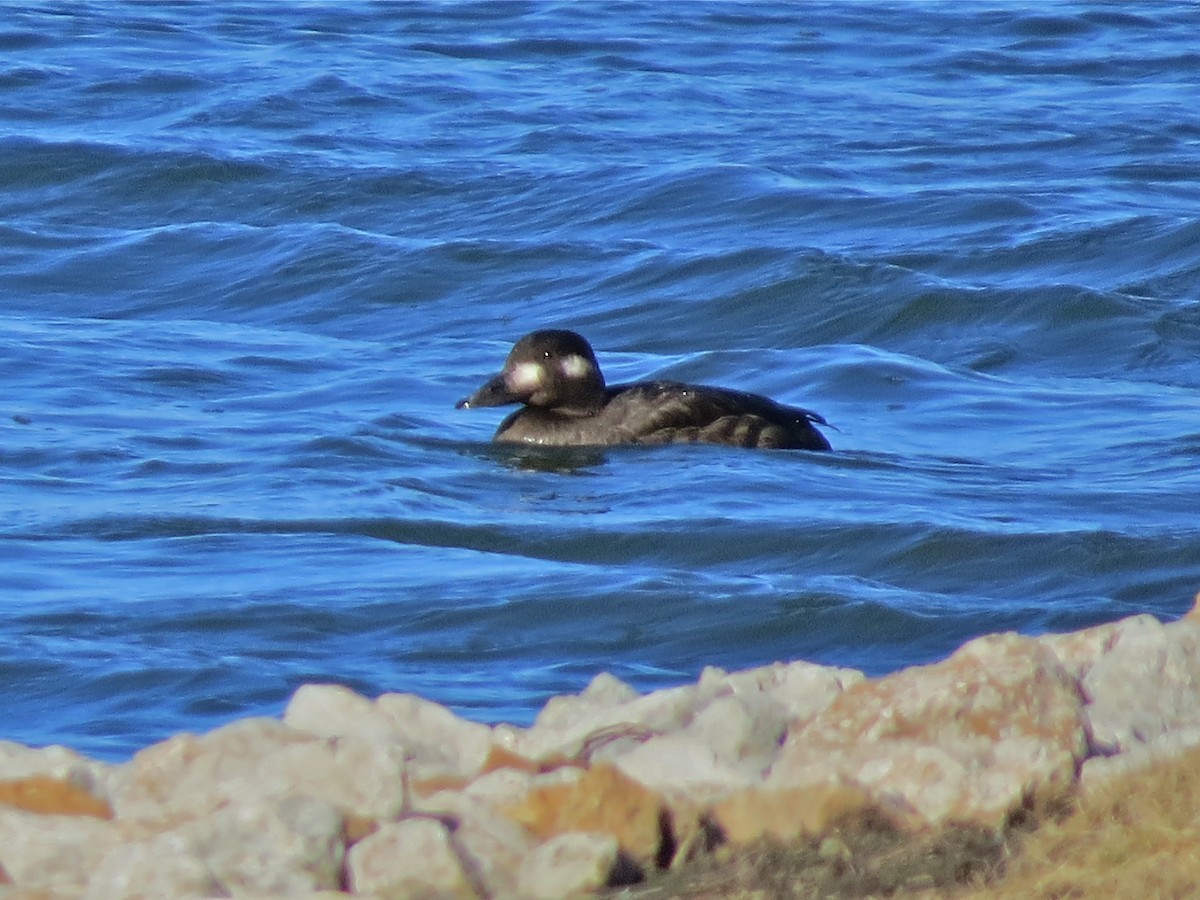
(555, 374)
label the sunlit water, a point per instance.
(251, 254)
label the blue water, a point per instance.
(252, 253)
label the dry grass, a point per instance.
(862, 858)
(1139, 837)
(1136, 839)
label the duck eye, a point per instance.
(546, 354)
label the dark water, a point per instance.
(251, 254)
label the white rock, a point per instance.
(1098, 771)
(331, 710)
(1144, 684)
(739, 728)
(190, 776)
(577, 726)
(491, 848)
(53, 853)
(291, 846)
(434, 741)
(795, 690)
(568, 865)
(410, 858)
(148, 870)
(256, 759)
(682, 766)
(438, 741)
(610, 712)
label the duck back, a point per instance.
(668, 412)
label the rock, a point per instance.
(602, 800)
(605, 691)
(788, 691)
(255, 759)
(681, 765)
(1077, 651)
(146, 870)
(410, 858)
(53, 853)
(789, 814)
(491, 848)
(498, 789)
(52, 796)
(18, 761)
(609, 718)
(605, 785)
(436, 743)
(499, 757)
(576, 726)
(967, 740)
(1143, 685)
(331, 710)
(287, 846)
(436, 739)
(188, 776)
(290, 846)
(568, 865)
(1160, 750)
(738, 729)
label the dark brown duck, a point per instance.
(555, 374)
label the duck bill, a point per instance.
(495, 393)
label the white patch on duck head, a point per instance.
(524, 377)
(576, 366)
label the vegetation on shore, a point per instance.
(1137, 836)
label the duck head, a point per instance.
(551, 369)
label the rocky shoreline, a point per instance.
(400, 797)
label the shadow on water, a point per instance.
(536, 458)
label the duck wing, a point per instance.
(668, 412)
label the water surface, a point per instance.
(251, 254)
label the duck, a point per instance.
(553, 373)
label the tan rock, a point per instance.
(52, 796)
(410, 858)
(18, 761)
(966, 740)
(602, 800)
(499, 757)
(789, 814)
(1194, 613)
